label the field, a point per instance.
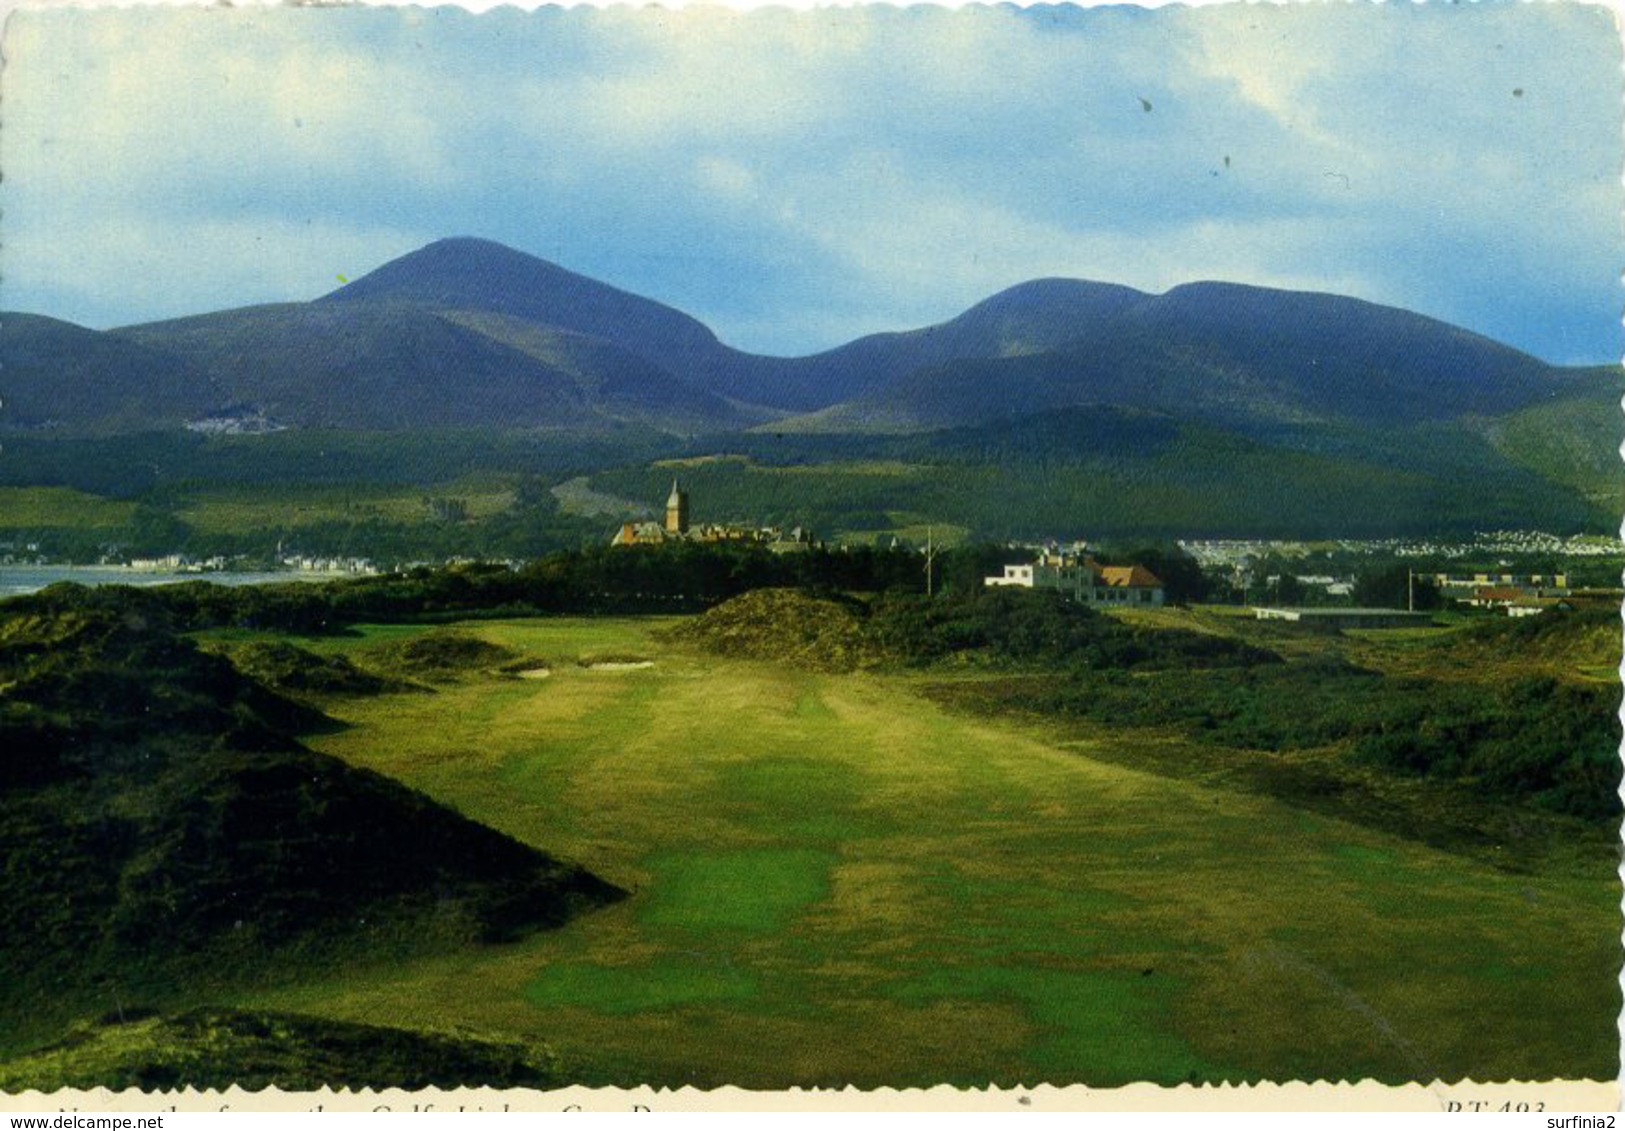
(1139, 477)
(232, 510)
(33, 507)
(838, 881)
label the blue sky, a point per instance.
(796, 179)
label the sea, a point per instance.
(17, 580)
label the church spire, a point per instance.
(677, 510)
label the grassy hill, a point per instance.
(390, 497)
(1572, 440)
(168, 837)
(1518, 732)
(1092, 471)
(34, 508)
(1103, 471)
(64, 377)
(808, 632)
(995, 629)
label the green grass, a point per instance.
(825, 802)
(1316, 483)
(1113, 1021)
(1572, 440)
(753, 892)
(917, 530)
(30, 507)
(228, 509)
(620, 991)
(836, 881)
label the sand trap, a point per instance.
(535, 673)
(620, 665)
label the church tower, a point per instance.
(677, 510)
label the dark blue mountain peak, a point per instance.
(1056, 291)
(1339, 325)
(472, 274)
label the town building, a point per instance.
(677, 527)
(1500, 590)
(1512, 593)
(1534, 606)
(1498, 596)
(1461, 586)
(1086, 580)
(639, 534)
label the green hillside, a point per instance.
(1573, 440)
(32, 508)
(136, 465)
(1094, 471)
(1101, 472)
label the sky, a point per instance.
(798, 178)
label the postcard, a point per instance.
(1050, 557)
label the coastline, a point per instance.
(19, 580)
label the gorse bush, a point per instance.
(1555, 743)
(1038, 626)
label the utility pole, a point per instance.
(1410, 589)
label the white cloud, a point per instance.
(816, 167)
(172, 268)
(206, 98)
(726, 178)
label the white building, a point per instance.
(1087, 581)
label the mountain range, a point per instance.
(468, 334)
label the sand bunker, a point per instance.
(620, 665)
(535, 673)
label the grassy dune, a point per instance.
(836, 881)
